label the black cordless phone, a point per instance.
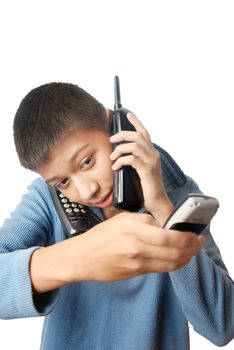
(127, 190)
(76, 218)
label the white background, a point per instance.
(175, 61)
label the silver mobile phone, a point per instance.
(193, 214)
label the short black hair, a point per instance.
(47, 114)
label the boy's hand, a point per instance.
(128, 245)
(146, 160)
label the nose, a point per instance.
(86, 188)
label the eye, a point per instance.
(62, 184)
(86, 163)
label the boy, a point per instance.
(127, 283)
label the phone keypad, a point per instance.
(72, 207)
(76, 217)
(75, 211)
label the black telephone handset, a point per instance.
(127, 190)
(76, 218)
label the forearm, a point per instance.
(206, 293)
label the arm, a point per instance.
(203, 287)
(27, 230)
(206, 292)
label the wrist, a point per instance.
(161, 210)
(49, 268)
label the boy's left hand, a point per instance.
(140, 153)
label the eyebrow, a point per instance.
(76, 153)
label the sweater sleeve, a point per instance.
(206, 292)
(28, 228)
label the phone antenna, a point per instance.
(117, 93)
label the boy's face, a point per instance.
(80, 167)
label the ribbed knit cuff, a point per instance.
(20, 301)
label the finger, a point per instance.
(130, 147)
(138, 125)
(130, 159)
(168, 238)
(142, 166)
(168, 253)
(126, 135)
(202, 240)
(154, 265)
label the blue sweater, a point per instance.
(147, 312)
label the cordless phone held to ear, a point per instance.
(76, 218)
(127, 190)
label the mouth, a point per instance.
(105, 201)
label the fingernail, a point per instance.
(202, 240)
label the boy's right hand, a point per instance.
(127, 245)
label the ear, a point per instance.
(108, 113)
